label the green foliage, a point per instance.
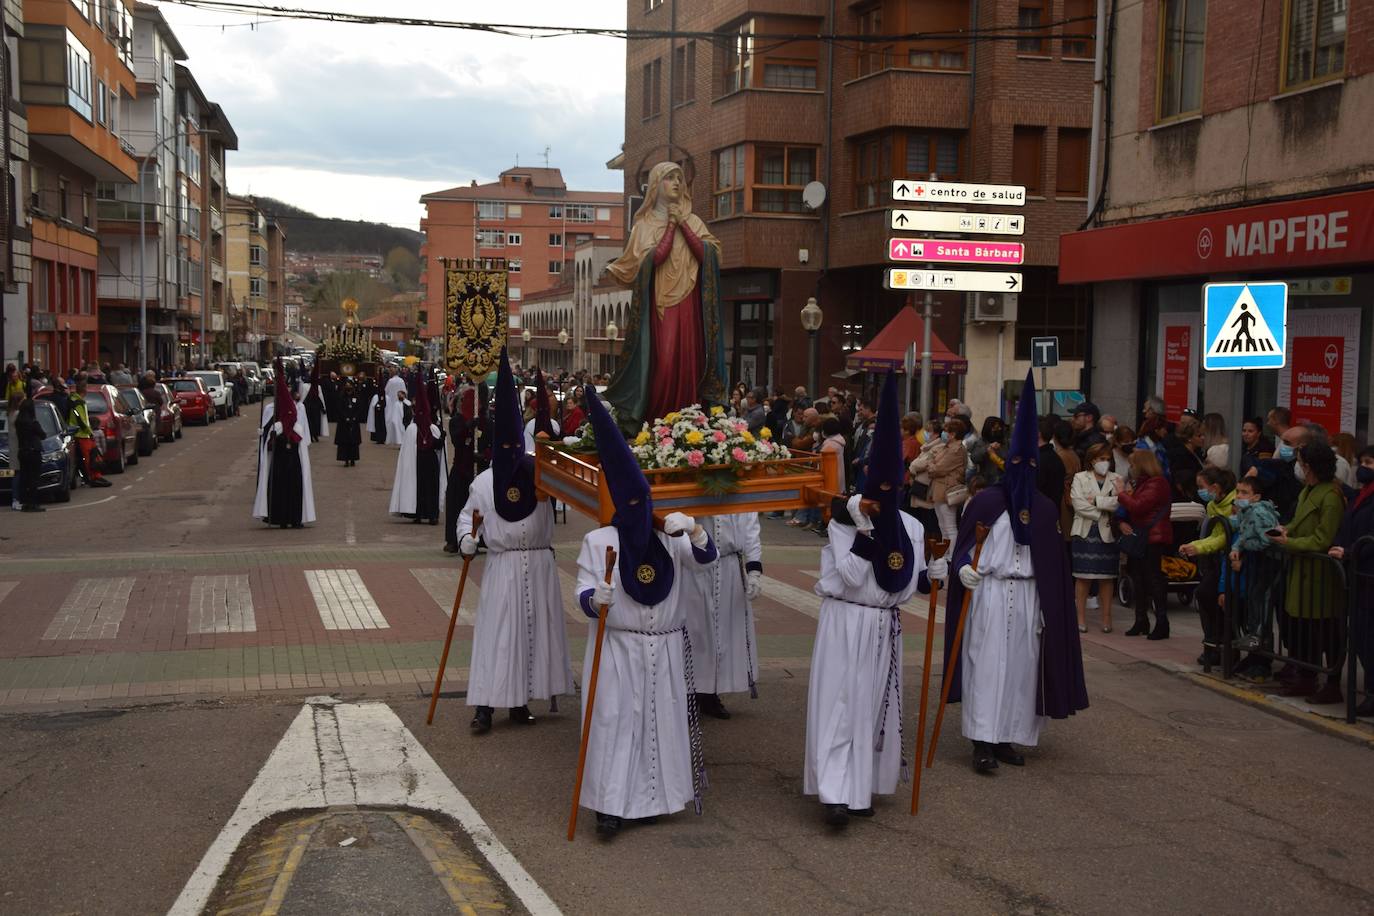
(307, 232)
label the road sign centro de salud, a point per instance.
(1244, 325)
(945, 192)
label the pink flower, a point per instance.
(739, 454)
(718, 436)
(695, 458)
(701, 421)
(662, 431)
(666, 442)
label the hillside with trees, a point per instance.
(307, 232)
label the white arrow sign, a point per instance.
(955, 221)
(998, 195)
(965, 281)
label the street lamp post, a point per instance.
(525, 335)
(612, 335)
(811, 317)
(143, 250)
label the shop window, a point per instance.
(651, 101)
(1030, 19)
(1028, 159)
(1071, 178)
(1314, 41)
(729, 191)
(881, 159)
(1046, 309)
(1183, 28)
(780, 174)
(1080, 21)
(685, 73)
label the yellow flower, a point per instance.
(765, 433)
(747, 436)
(642, 438)
(717, 411)
(694, 437)
(671, 418)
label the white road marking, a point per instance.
(350, 532)
(94, 609)
(83, 505)
(353, 754)
(221, 604)
(343, 600)
(571, 606)
(790, 596)
(441, 583)
(6, 588)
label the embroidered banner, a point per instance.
(476, 313)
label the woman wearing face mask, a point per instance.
(1357, 523)
(993, 463)
(1093, 546)
(1123, 443)
(947, 464)
(1216, 487)
(1313, 603)
(1254, 445)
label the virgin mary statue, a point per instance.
(674, 349)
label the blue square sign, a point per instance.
(1244, 325)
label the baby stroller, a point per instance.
(1182, 574)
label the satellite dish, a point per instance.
(813, 195)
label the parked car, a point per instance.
(168, 414)
(218, 389)
(145, 417)
(115, 429)
(254, 382)
(196, 403)
(58, 474)
(257, 385)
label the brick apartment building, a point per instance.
(255, 261)
(572, 307)
(527, 216)
(301, 263)
(754, 119)
(1258, 170)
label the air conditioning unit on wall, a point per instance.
(985, 308)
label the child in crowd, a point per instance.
(1216, 487)
(1255, 566)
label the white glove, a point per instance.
(435, 431)
(937, 570)
(603, 594)
(277, 427)
(467, 545)
(678, 523)
(970, 577)
(861, 521)
(753, 584)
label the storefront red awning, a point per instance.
(888, 349)
(1324, 231)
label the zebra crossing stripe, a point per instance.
(94, 609)
(6, 588)
(343, 601)
(221, 604)
(442, 584)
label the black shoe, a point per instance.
(1140, 628)
(710, 705)
(837, 815)
(34, 507)
(860, 812)
(1161, 630)
(1009, 755)
(450, 548)
(984, 760)
(521, 715)
(1210, 658)
(1366, 708)
(481, 720)
(100, 482)
(608, 825)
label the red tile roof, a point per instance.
(387, 320)
(539, 184)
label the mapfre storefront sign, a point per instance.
(1314, 232)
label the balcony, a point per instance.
(795, 116)
(125, 288)
(146, 69)
(216, 272)
(216, 221)
(126, 211)
(216, 172)
(903, 98)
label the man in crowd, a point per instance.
(1086, 432)
(1050, 472)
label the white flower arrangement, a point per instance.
(692, 438)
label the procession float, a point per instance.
(667, 393)
(346, 348)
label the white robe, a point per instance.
(1001, 652)
(852, 676)
(394, 411)
(719, 617)
(269, 411)
(639, 756)
(529, 435)
(372, 415)
(406, 481)
(519, 642)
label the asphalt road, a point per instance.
(1162, 797)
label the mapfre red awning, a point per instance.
(888, 349)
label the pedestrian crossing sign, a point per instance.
(1244, 325)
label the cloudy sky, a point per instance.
(357, 121)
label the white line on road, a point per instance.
(350, 531)
(127, 486)
(84, 505)
(343, 600)
(792, 597)
(442, 583)
(94, 609)
(5, 589)
(353, 754)
(221, 604)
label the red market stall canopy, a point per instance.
(888, 349)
